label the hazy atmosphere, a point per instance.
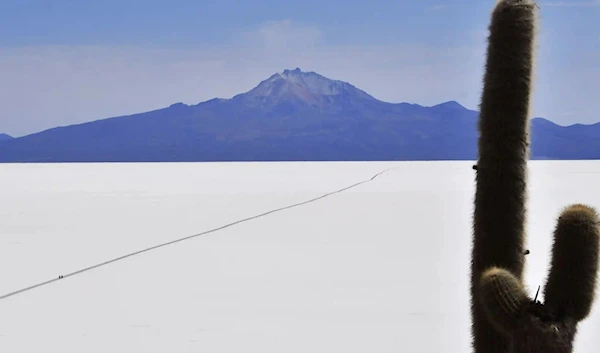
(67, 62)
(301, 176)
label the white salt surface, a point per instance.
(382, 267)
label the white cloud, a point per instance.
(281, 35)
(48, 86)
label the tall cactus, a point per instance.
(504, 318)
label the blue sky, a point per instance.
(66, 62)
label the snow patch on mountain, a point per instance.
(308, 87)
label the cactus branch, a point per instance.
(571, 283)
(504, 299)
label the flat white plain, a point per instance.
(382, 267)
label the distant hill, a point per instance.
(291, 116)
(5, 137)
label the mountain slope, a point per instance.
(291, 116)
(5, 137)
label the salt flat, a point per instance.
(382, 267)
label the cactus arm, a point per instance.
(571, 283)
(504, 299)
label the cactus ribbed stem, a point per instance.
(504, 318)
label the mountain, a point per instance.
(5, 137)
(291, 116)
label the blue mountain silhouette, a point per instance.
(4, 137)
(291, 116)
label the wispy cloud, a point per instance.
(436, 7)
(280, 35)
(572, 4)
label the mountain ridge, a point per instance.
(290, 116)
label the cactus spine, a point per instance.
(504, 318)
